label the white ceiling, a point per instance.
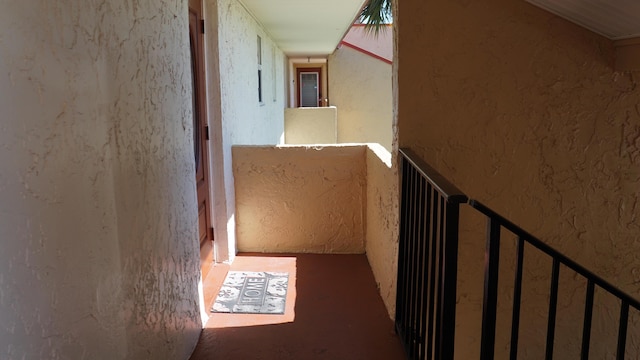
(615, 19)
(312, 28)
(305, 27)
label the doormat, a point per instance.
(246, 292)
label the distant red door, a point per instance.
(200, 135)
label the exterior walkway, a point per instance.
(333, 312)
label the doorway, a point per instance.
(309, 87)
(200, 136)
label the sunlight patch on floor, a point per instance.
(246, 262)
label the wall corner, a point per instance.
(627, 54)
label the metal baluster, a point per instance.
(412, 265)
(553, 304)
(588, 314)
(450, 269)
(402, 287)
(517, 294)
(432, 273)
(490, 302)
(419, 244)
(622, 330)
(439, 285)
(422, 314)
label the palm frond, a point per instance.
(375, 15)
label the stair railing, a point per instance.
(427, 261)
(427, 271)
(492, 260)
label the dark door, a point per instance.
(200, 135)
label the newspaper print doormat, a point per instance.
(246, 292)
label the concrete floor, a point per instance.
(333, 312)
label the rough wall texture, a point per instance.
(235, 114)
(522, 110)
(360, 87)
(382, 222)
(627, 54)
(307, 125)
(332, 199)
(300, 199)
(98, 222)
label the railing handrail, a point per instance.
(450, 191)
(427, 260)
(518, 231)
(454, 194)
(416, 230)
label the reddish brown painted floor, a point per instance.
(336, 314)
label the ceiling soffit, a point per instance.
(304, 27)
(614, 19)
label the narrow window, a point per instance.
(273, 74)
(259, 69)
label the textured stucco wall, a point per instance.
(98, 219)
(330, 199)
(300, 199)
(360, 87)
(523, 110)
(309, 125)
(627, 54)
(235, 115)
(382, 222)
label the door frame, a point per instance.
(301, 70)
(201, 134)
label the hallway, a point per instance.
(333, 311)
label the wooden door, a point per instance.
(200, 134)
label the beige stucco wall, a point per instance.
(300, 199)
(523, 111)
(360, 87)
(309, 125)
(382, 222)
(235, 114)
(98, 219)
(321, 199)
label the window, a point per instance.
(259, 54)
(273, 74)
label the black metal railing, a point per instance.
(427, 272)
(427, 261)
(559, 261)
